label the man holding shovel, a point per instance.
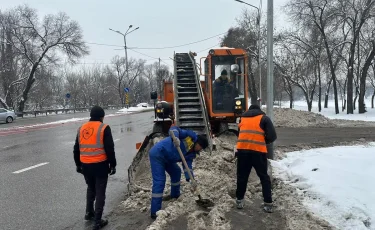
(164, 157)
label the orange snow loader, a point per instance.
(202, 98)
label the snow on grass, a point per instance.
(337, 183)
(330, 111)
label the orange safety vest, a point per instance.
(91, 145)
(251, 136)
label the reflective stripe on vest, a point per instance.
(251, 135)
(91, 145)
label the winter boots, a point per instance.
(267, 207)
(100, 224)
(89, 215)
(240, 204)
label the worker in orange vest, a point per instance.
(256, 130)
(94, 155)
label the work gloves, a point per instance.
(176, 142)
(79, 169)
(112, 171)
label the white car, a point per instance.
(7, 116)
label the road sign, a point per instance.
(126, 90)
(67, 95)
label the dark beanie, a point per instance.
(254, 107)
(202, 141)
(97, 112)
(224, 72)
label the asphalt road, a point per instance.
(52, 195)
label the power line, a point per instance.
(171, 47)
(143, 54)
(151, 57)
(155, 48)
(102, 44)
(209, 48)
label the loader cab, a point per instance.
(225, 83)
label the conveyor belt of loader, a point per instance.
(189, 99)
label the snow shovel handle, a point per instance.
(183, 158)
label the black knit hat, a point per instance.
(224, 72)
(202, 141)
(254, 107)
(97, 112)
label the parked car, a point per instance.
(7, 116)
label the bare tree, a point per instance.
(372, 81)
(119, 69)
(310, 44)
(355, 14)
(39, 41)
(322, 14)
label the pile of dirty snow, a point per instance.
(296, 118)
(336, 183)
(216, 175)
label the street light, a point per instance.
(259, 45)
(126, 48)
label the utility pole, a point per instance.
(159, 79)
(126, 50)
(270, 68)
(259, 55)
(126, 59)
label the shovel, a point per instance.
(206, 203)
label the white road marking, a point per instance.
(32, 167)
(116, 140)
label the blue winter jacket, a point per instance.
(169, 154)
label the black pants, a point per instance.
(96, 188)
(244, 164)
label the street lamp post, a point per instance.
(270, 69)
(259, 46)
(126, 48)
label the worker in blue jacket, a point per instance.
(164, 157)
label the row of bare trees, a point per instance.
(34, 75)
(330, 47)
(104, 84)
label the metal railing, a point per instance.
(202, 101)
(175, 90)
(57, 111)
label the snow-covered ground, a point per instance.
(139, 108)
(337, 183)
(330, 111)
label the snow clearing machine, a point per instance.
(206, 99)
(206, 103)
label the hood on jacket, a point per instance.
(253, 113)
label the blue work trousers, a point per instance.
(158, 168)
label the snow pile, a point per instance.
(216, 176)
(295, 118)
(336, 183)
(330, 111)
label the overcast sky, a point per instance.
(162, 23)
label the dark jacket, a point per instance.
(265, 124)
(109, 148)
